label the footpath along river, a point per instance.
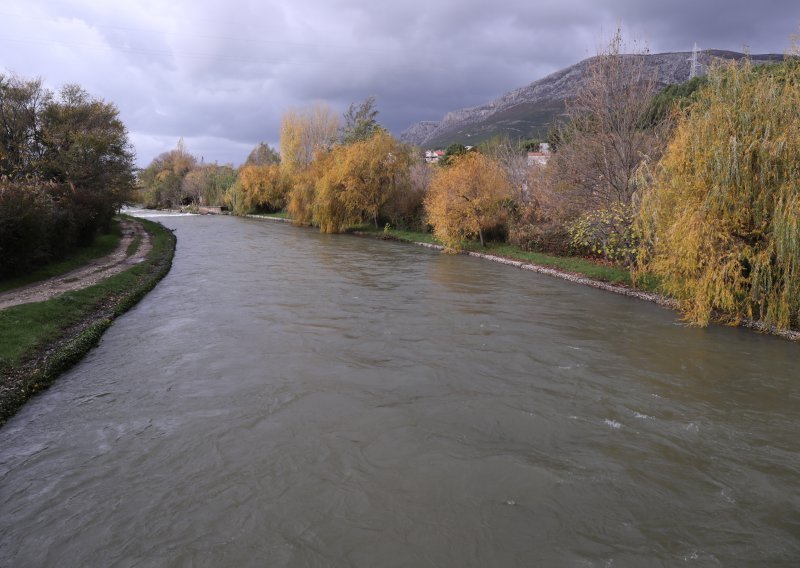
(286, 398)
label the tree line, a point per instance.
(694, 186)
(66, 166)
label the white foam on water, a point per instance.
(612, 424)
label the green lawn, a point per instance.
(597, 271)
(102, 246)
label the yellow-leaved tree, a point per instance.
(466, 198)
(359, 180)
(721, 222)
(263, 187)
(305, 132)
(306, 136)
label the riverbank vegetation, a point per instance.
(103, 245)
(66, 167)
(39, 341)
(691, 190)
(721, 218)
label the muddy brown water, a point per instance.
(285, 398)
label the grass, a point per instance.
(587, 267)
(41, 340)
(102, 246)
(134, 245)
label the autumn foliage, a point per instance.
(722, 218)
(337, 185)
(465, 199)
(260, 187)
(360, 179)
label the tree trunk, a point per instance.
(480, 235)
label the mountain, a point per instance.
(529, 111)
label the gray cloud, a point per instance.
(220, 74)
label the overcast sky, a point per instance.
(219, 74)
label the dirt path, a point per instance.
(97, 270)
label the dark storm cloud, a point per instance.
(220, 74)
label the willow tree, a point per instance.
(305, 132)
(722, 219)
(465, 199)
(306, 136)
(263, 187)
(360, 179)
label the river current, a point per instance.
(287, 398)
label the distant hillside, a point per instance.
(529, 111)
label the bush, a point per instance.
(609, 233)
(28, 225)
(532, 231)
(540, 222)
(406, 209)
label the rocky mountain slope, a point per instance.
(529, 111)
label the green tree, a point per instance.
(66, 166)
(360, 121)
(452, 151)
(263, 155)
(207, 184)
(670, 99)
(22, 104)
(162, 180)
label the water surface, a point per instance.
(286, 398)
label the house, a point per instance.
(433, 156)
(539, 158)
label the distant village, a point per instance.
(538, 158)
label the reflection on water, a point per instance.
(287, 398)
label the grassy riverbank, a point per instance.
(102, 246)
(39, 341)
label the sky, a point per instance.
(219, 74)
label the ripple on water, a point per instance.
(318, 400)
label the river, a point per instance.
(287, 398)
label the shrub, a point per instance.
(27, 213)
(609, 233)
